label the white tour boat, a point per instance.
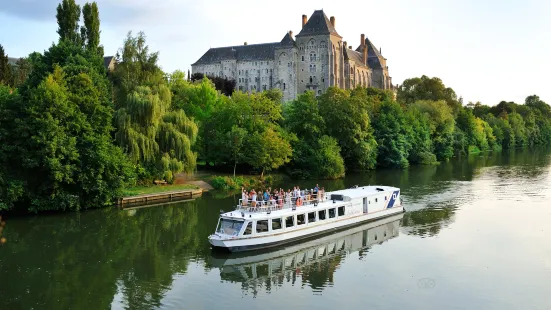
(266, 224)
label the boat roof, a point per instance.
(352, 193)
(363, 191)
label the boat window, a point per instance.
(311, 217)
(341, 211)
(261, 226)
(376, 199)
(248, 229)
(300, 219)
(230, 227)
(276, 224)
(321, 215)
(332, 213)
(290, 221)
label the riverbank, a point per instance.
(154, 189)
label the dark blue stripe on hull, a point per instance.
(266, 246)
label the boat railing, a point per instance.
(279, 204)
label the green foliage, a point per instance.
(5, 69)
(68, 15)
(315, 155)
(58, 147)
(197, 100)
(248, 182)
(347, 120)
(442, 125)
(425, 88)
(419, 133)
(392, 134)
(90, 31)
(149, 130)
(266, 146)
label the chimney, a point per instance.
(291, 33)
(332, 20)
(362, 40)
(245, 43)
(304, 20)
(364, 51)
(380, 50)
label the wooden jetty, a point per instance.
(167, 196)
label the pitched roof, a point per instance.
(13, 61)
(287, 41)
(356, 56)
(318, 24)
(107, 60)
(240, 53)
(373, 55)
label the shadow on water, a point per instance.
(92, 259)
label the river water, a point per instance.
(477, 235)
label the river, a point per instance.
(476, 235)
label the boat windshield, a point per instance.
(229, 227)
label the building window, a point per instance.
(263, 87)
(312, 56)
(283, 86)
(289, 64)
(310, 80)
(302, 58)
(312, 68)
(280, 62)
(319, 92)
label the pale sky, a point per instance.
(486, 51)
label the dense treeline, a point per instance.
(72, 136)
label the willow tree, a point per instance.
(152, 133)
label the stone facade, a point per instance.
(317, 58)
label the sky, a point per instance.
(487, 51)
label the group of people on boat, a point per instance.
(279, 197)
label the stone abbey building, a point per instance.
(315, 59)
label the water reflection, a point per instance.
(138, 259)
(315, 261)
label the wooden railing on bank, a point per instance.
(148, 198)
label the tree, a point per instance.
(68, 15)
(314, 153)
(425, 88)
(419, 135)
(391, 132)
(266, 145)
(150, 131)
(91, 30)
(442, 125)
(5, 73)
(347, 120)
(197, 100)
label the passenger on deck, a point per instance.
(316, 190)
(253, 200)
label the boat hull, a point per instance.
(261, 243)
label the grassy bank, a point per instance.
(249, 182)
(142, 190)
